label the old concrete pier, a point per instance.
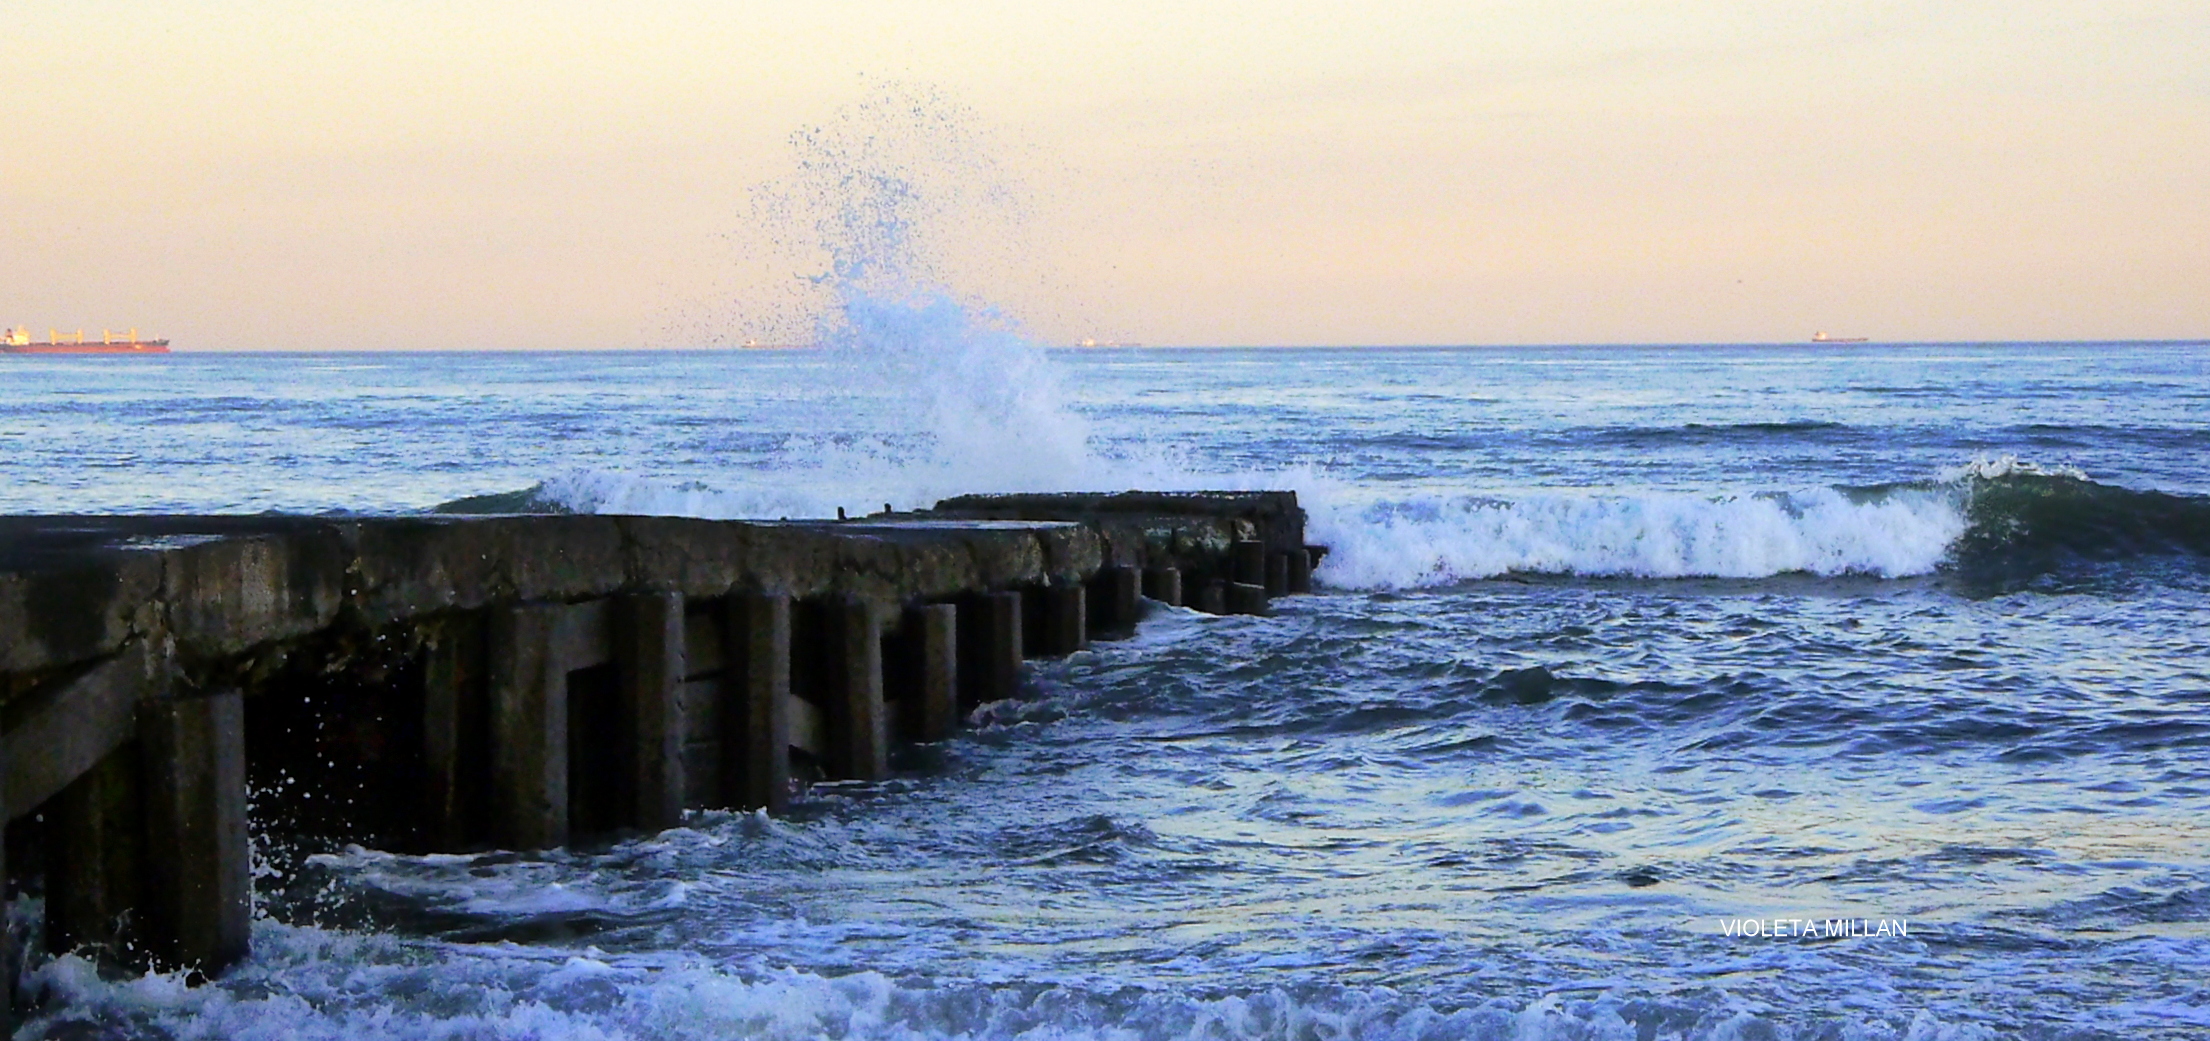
(449, 683)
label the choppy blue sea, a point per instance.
(1617, 650)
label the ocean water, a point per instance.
(1617, 650)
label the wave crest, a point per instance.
(2000, 520)
(1819, 531)
(1992, 519)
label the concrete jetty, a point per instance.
(455, 683)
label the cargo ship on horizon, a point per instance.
(18, 341)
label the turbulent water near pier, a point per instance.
(1617, 648)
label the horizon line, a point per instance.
(1524, 345)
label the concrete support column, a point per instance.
(755, 706)
(1247, 562)
(11, 960)
(649, 655)
(1300, 571)
(852, 667)
(932, 651)
(94, 857)
(200, 877)
(1245, 598)
(1212, 597)
(1163, 584)
(529, 728)
(989, 648)
(1063, 614)
(1116, 599)
(1277, 574)
(453, 712)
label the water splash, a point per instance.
(898, 208)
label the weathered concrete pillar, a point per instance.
(1246, 598)
(852, 671)
(453, 712)
(989, 648)
(200, 875)
(72, 750)
(930, 644)
(1300, 571)
(1116, 599)
(649, 628)
(1163, 584)
(1212, 597)
(1064, 615)
(755, 707)
(1247, 562)
(94, 840)
(701, 696)
(11, 960)
(1277, 574)
(529, 727)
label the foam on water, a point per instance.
(306, 983)
(1438, 540)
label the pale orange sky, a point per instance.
(250, 175)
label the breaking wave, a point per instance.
(1992, 520)
(1997, 519)
(1824, 531)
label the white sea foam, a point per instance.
(1995, 467)
(1412, 541)
(315, 984)
(1437, 540)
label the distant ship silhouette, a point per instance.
(18, 341)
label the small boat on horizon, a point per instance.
(1823, 338)
(18, 341)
